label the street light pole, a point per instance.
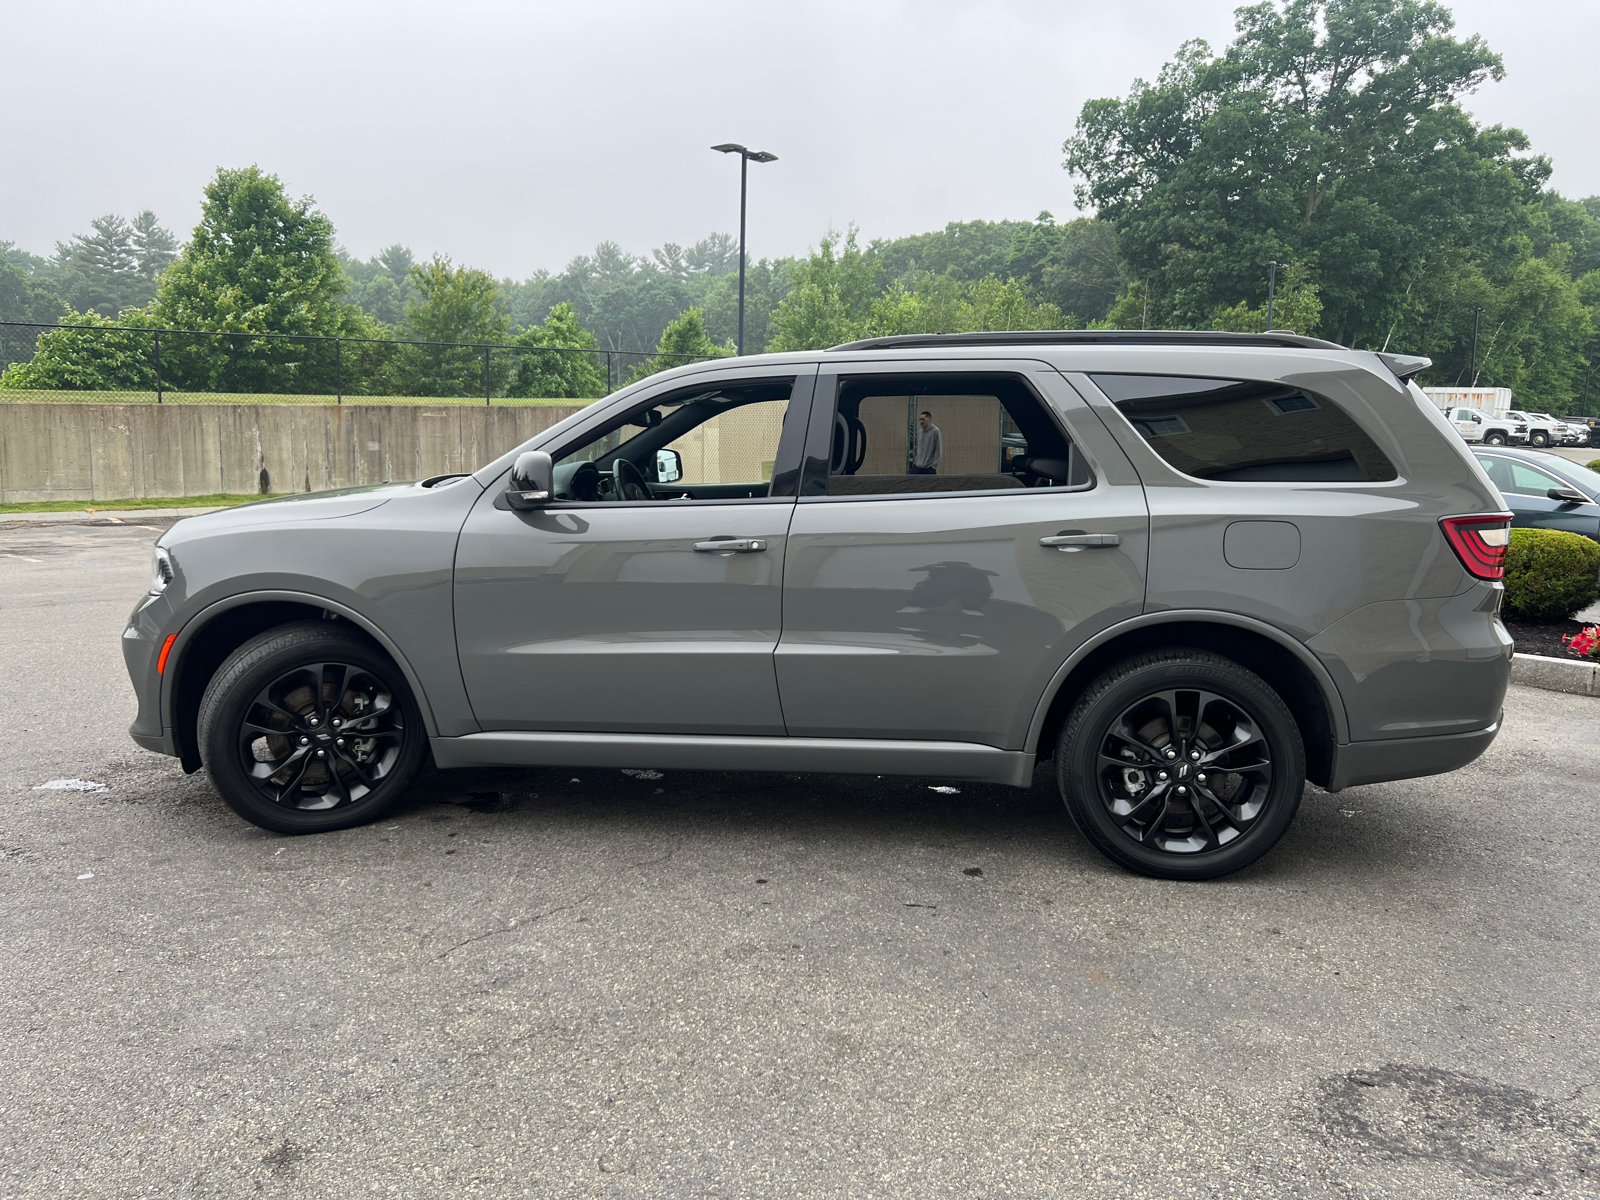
(1272, 288)
(746, 156)
(1477, 315)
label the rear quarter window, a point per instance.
(1246, 432)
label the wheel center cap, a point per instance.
(1183, 770)
(324, 737)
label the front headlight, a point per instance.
(161, 572)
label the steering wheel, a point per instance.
(627, 481)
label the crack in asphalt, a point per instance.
(550, 912)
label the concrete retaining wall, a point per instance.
(125, 451)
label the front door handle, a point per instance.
(1072, 542)
(732, 546)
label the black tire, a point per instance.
(1540, 439)
(287, 697)
(1107, 779)
(1494, 439)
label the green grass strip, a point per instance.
(143, 502)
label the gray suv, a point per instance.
(1196, 570)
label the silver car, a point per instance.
(1192, 570)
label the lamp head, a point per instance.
(761, 156)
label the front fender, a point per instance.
(201, 619)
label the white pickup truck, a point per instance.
(1475, 425)
(1542, 430)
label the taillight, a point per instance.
(1480, 542)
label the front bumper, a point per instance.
(1406, 758)
(141, 649)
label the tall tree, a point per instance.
(257, 263)
(380, 285)
(1074, 266)
(25, 295)
(555, 365)
(830, 297)
(457, 310)
(154, 247)
(1330, 131)
(683, 341)
(102, 267)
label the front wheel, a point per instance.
(1494, 439)
(1540, 439)
(1181, 764)
(307, 728)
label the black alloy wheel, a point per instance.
(308, 728)
(1181, 764)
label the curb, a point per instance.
(105, 516)
(1556, 674)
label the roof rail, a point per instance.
(1101, 337)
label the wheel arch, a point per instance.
(214, 632)
(1287, 666)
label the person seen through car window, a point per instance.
(929, 448)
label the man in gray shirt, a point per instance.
(930, 446)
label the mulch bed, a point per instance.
(1543, 637)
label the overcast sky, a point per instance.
(515, 135)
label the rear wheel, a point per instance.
(308, 728)
(1181, 764)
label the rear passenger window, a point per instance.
(915, 434)
(1246, 432)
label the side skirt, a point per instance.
(841, 756)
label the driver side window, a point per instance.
(710, 444)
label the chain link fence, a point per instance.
(130, 364)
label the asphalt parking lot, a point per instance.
(591, 983)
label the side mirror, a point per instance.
(532, 481)
(669, 466)
(1568, 495)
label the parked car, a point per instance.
(1475, 425)
(1545, 491)
(1222, 564)
(1591, 424)
(1569, 432)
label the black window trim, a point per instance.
(1400, 479)
(789, 445)
(819, 434)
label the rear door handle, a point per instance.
(1078, 541)
(732, 546)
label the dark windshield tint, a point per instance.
(1228, 429)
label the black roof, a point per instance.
(1103, 337)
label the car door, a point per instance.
(1467, 424)
(938, 604)
(1526, 490)
(655, 614)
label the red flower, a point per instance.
(1585, 643)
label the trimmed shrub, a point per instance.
(1550, 574)
(1593, 466)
